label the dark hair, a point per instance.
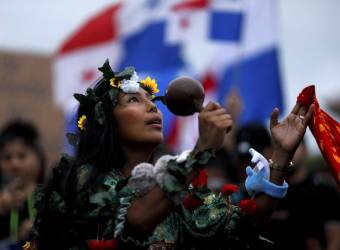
(251, 135)
(98, 144)
(28, 135)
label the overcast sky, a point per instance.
(309, 34)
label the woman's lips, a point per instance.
(155, 123)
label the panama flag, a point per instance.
(237, 47)
(228, 45)
(76, 61)
(203, 21)
(255, 71)
(202, 27)
(130, 33)
(187, 21)
(238, 42)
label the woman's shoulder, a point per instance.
(89, 187)
(112, 179)
(90, 180)
(86, 175)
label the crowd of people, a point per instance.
(124, 190)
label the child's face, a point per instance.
(19, 160)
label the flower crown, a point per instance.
(126, 81)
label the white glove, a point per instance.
(260, 162)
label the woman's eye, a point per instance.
(133, 99)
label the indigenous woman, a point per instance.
(113, 194)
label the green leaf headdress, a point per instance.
(125, 81)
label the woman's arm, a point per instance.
(146, 212)
(286, 137)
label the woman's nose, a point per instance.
(152, 107)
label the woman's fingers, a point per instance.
(214, 122)
(217, 115)
(217, 112)
(223, 117)
(274, 117)
(223, 121)
(302, 111)
(211, 106)
(296, 108)
(305, 115)
(309, 114)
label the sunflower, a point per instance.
(149, 85)
(114, 82)
(29, 246)
(82, 122)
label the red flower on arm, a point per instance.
(248, 206)
(191, 202)
(201, 180)
(102, 244)
(111, 244)
(228, 189)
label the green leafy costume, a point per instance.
(99, 204)
(99, 212)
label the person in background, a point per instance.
(250, 135)
(22, 166)
(308, 217)
(220, 171)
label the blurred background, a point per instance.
(250, 56)
(38, 37)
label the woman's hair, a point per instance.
(26, 133)
(98, 144)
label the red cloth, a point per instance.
(325, 129)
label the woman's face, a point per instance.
(19, 160)
(138, 119)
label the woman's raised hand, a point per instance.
(214, 122)
(288, 133)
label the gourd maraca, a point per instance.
(184, 96)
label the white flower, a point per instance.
(142, 178)
(183, 156)
(209, 199)
(134, 77)
(162, 162)
(130, 87)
